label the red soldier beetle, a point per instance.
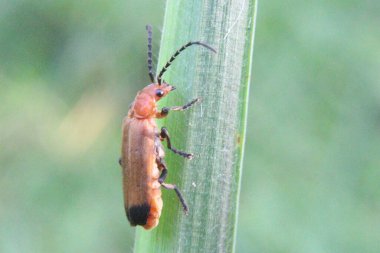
(142, 154)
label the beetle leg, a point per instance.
(184, 107)
(163, 175)
(165, 110)
(179, 195)
(161, 165)
(165, 135)
(164, 171)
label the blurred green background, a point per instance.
(69, 70)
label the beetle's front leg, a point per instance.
(165, 110)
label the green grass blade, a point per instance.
(214, 130)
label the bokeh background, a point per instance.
(69, 70)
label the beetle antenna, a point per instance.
(177, 53)
(150, 62)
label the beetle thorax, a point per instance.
(144, 106)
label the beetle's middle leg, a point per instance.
(164, 172)
(165, 135)
(165, 110)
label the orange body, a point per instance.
(141, 147)
(144, 169)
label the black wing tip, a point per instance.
(138, 214)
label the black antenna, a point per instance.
(177, 53)
(150, 66)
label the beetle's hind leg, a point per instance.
(179, 195)
(164, 171)
(161, 179)
(165, 135)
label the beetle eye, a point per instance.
(159, 93)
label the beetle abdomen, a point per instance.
(142, 193)
(147, 215)
(155, 203)
(138, 214)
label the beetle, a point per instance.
(142, 153)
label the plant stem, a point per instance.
(214, 129)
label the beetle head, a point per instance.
(158, 91)
(144, 105)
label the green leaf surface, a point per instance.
(213, 130)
